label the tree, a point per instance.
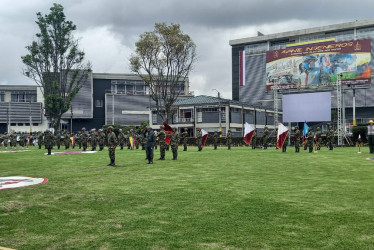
(55, 63)
(163, 59)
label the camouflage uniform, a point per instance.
(184, 136)
(66, 139)
(162, 142)
(40, 139)
(199, 139)
(112, 144)
(101, 139)
(121, 139)
(5, 140)
(174, 143)
(93, 139)
(84, 139)
(48, 141)
(215, 140)
(228, 139)
(22, 140)
(253, 142)
(265, 138)
(13, 140)
(138, 139)
(330, 138)
(310, 141)
(58, 139)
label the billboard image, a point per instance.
(317, 65)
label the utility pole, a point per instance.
(219, 112)
(71, 118)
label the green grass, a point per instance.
(243, 198)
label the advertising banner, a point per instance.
(318, 65)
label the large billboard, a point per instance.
(318, 65)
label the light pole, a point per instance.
(219, 112)
(71, 119)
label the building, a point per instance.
(254, 89)
(103, 99)
(21, 109)
(218, 114)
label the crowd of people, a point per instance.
(148, 140)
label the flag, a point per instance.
(168, 131)
(204, 137)
(242, 67)
(249, 130)
(305, 131)
(359, 137)
(132, 141)
(282, 135)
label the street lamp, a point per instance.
(71, 119)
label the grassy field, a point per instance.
(243, 198)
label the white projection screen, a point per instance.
(310, 107)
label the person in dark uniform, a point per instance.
(310, 141)
(215, 140)
(162, 142)
(174, 143)
(330, 138)
(112, 144)
(297, 139)
(318, 138)
(265, 138)
(151, 142)
(48, 141)
(228, 139)
(184, 136)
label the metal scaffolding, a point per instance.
(339, 105)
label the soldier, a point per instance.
(40, 139)
(144, 140)
(121, 139)
(58, 139)
(22, 140)
(93, 139)
(174, 142)
(101, 139)
(253, 142)
(199, 139)
(66, 139)
(318, 138)
(215, 140)
(79, 140)
(310, 141)
(138, 139)
(228, 139)
(13, 140)
(5, 140)
(184, 136)
(112, 144)
(162, 142)
(297, 139)
(84, 138)
(284, 146)
(48, 141)
(151, 142)
(330, 138)
(265, 138)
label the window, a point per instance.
(13, 124)
(35, 124)
(199, 116)
(23, 96)
(223, 116)
(99, 103)
(154, 118)
(2, 97)
(19, 124)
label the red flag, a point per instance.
(204, 137)
(282, 135)
(249, 130)
(168, 131)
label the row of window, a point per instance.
(20, 96)
(23, 124)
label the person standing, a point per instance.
(174, 143)
(48, 141)
(253, 142)
(13, 140)
(184, 136)
(162, 142)
(66, 139)
(228, 139)
(5, 140)
(94, 139)
(215, 140)
(58, 139)
(84, 138)
(371, 136)
(101, 139)
(297, 139)
(121, 139)
(112, 144)
(151, 142)
(22, 140)
(310, 141)
(265, 138)
(199, 139)
(40, 139)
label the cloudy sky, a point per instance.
(108, 29)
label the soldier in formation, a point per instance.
(84, 138)
(121, 138)
(228, 139)
(93, 139)
(215, 140)
(48, 140)
(66, 139)
(310, 141)
(22, 140)
(330, 138)
(265, 138)
(151, 142)
(101, 138)
(58, 139)
(199, 139)
(112, 144)
(174, 142)
(161, 136)
(253, 142)
(184, 136)
(318, 139)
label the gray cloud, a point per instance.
(109, 29)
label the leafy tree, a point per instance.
(55, 63)
(163, 58)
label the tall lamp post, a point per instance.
(219, 112)
(71, 119)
